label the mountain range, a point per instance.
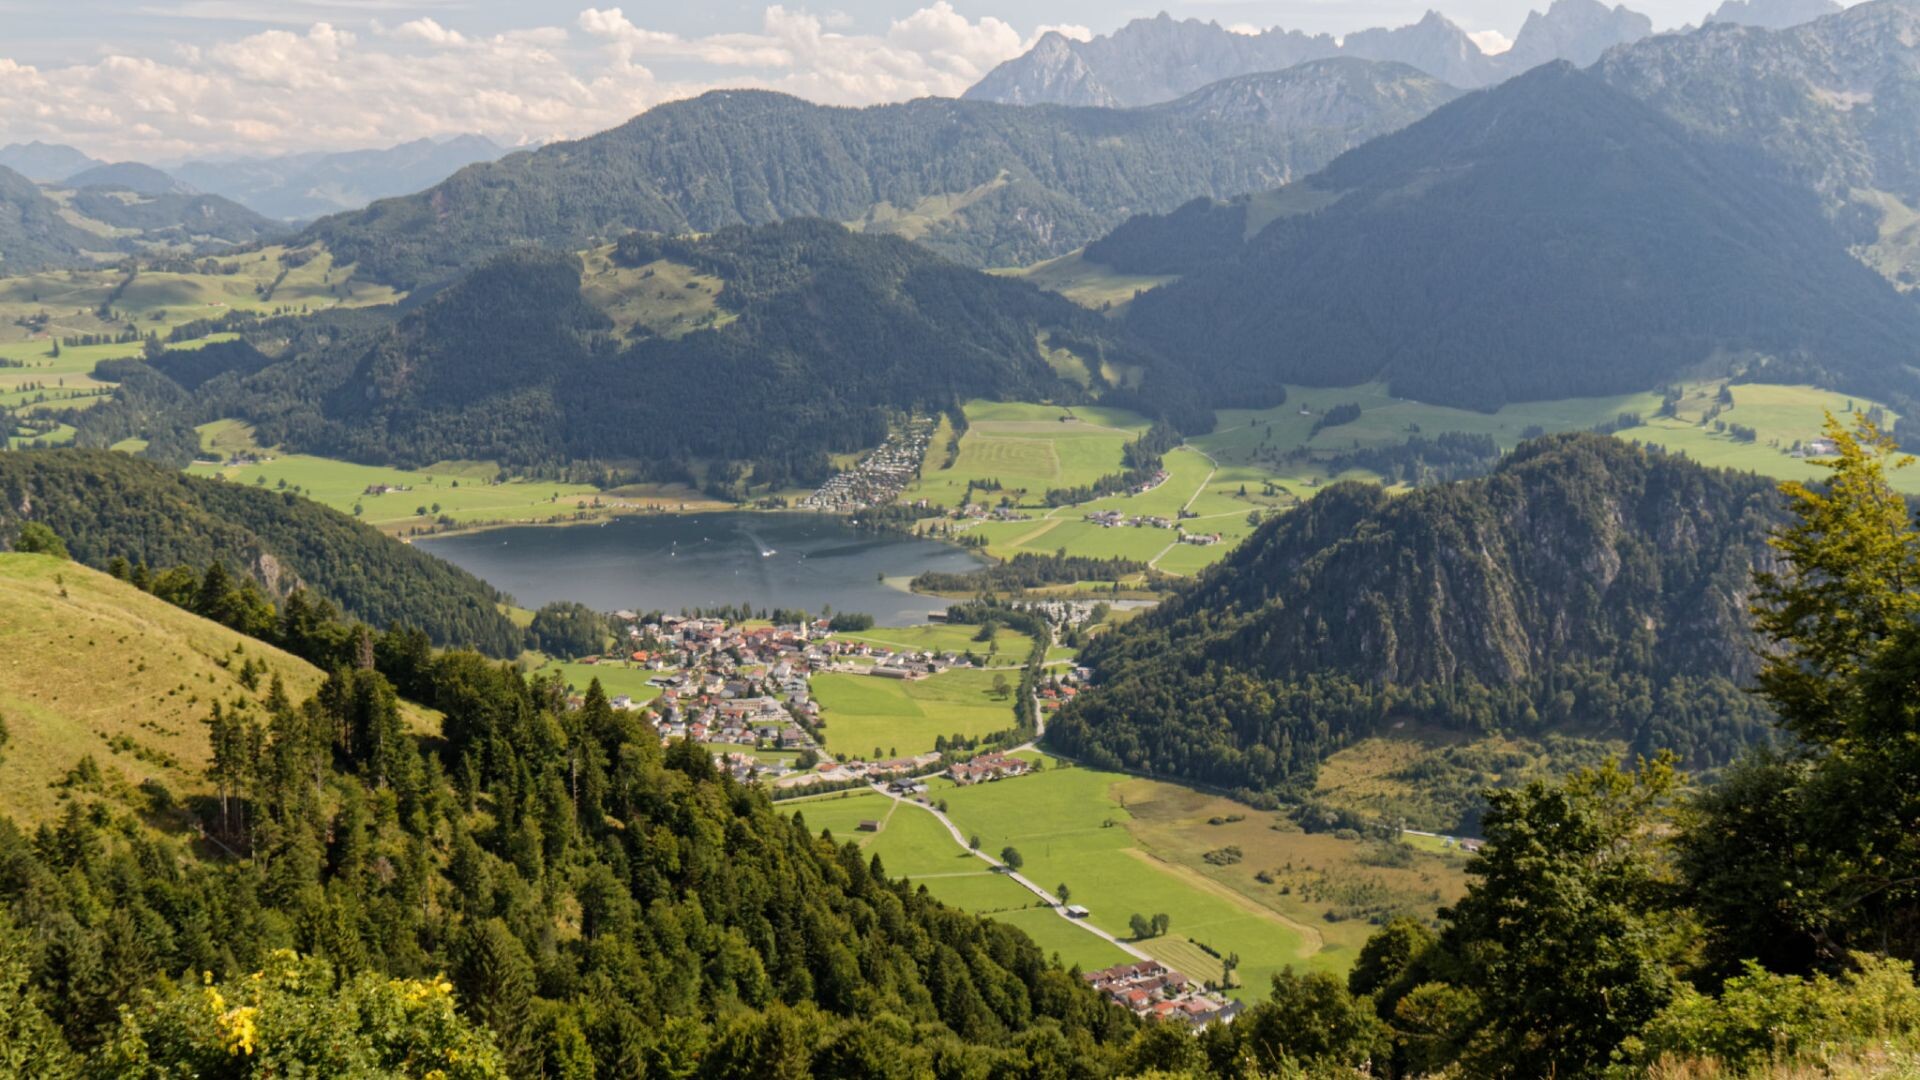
(771, 346)
(45, 163)
(301, 187)
(125, 209)
(1159, 59)
(986, 184)
(1550, 237)
(1834, 102)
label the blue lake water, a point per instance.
(672, 562)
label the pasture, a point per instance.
(617, 677)
(91, 666)
(463, 493)
(1027, 449)
(1014, 647)
(912, 844)
(900, 717)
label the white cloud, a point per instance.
(329, 85)
(1491, 42)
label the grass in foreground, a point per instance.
(93, 666)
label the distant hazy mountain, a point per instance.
(305, 186)
(985, 184)
(130, 175)
(1434, 45)
(44, 162)
(1773, 14)
(1159, 59)
(1551, 237)
(1836, 102)
(1142, 63)
(33, 233)
(1574, 30)
(202, 222)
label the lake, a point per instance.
(671, 562)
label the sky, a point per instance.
(167, 80)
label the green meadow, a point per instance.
(1028, 449)
(464, 492)
(1124, 845)
(617, 677)
(863, 712)
(912, 844)
(1069, 829)
(1014, 647)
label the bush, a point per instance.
(1761, 1018)
(37, 539)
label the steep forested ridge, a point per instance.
(828, 334)
(1012, 185)
(108, 505)
(603, 907)
(1549, 238)
(1586, 585)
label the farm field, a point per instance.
(71, 302)
(617, 677)
(93, 666)
(1780, 416)
(1027, 449)
(1014, 649)
(912, 844)
(903, 717)
(463, 492)
(1124, 846)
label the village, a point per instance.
(747, 687)
(880, 477)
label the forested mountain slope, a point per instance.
(1835, 102)
(1585, 586)
(985, 184)
(810, 338)
(107, 505)
(1551, 237)
(33, 234)
(602, 906)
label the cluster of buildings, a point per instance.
(1115, 519)
(880, 477)
(385, 489)
(723, 682)
(1151, 990)
(987, 768)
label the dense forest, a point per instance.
(832, 337)
(1010, 185)
(107, 505)
(1548, 238)
(545, 890)
(1585, 585)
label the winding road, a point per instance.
(1051, 900)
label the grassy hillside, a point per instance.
(93, 666)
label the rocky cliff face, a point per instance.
(1144, 62)
(1578, 31)
(1159, 59)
